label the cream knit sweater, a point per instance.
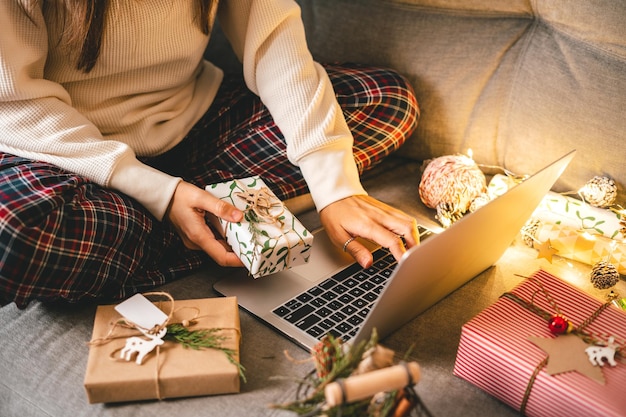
(151, 85)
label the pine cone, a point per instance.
(604, 275)
(529, 232)
(600, 192)
(448, 213)
(481, 200)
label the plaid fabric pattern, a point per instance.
(63, 238)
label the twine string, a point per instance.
(531, 383)
(546, 294)
(580, 330)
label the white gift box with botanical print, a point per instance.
(269, 238)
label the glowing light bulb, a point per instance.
(588, 236)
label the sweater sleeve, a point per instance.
(268, 37)
(38, 122)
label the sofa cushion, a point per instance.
(564, 96)
(464, 6)
(449, 56)
(567, 91)
(598, 23)
(519, 83)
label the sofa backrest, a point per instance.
(518, 82)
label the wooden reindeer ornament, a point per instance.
(599, 354)
(142, 346)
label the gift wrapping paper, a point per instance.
(496, 355)
(500, 184)
(176, 371)
(264, 245)
(589, 249)
(577, 230)
(569, 212)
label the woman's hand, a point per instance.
(187, 212)
(364, 216)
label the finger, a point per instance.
(360, 253)
(397, 247)
(218, 250)
(203, 238)
(406, 228)
(393, 219)
(394, 242)
(373, 220)
(220, 208)
(386, 235)
(226, 258)
(399, 223)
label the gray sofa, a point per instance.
(519, 82)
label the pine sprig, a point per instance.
(343, 363)
(203, 339)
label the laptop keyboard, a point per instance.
(339, 304)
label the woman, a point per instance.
(112, 123)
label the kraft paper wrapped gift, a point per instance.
(503, 346)
(175, 371)
(270, 238)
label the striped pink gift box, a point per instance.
(496, 355)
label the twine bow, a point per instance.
(261, 201)
(127, 324)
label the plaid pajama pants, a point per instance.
(64, 238)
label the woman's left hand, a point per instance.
(364, 216)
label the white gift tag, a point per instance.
(140, 311)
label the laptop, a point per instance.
(331, 294)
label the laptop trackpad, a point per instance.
(326, 259)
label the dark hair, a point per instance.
(84, 22)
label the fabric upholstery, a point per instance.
(519, 82)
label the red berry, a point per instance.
(558, 324)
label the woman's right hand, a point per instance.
(187, 212)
